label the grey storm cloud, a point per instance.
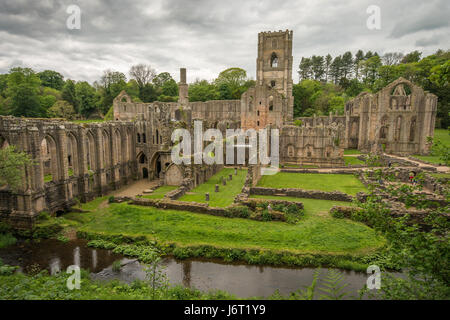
(205, 36)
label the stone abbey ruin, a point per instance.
(78, 162)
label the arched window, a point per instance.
(398, 128)
(138, 138)
(272, 83)
(157, 136)
(274, 60)
(412, 130)
(144, 139)
(271, 103)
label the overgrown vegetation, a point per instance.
(422, 252)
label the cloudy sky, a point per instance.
(205, 36)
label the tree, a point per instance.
(148, 93)
(52, 79)
(392, 58)
(68, 93)
(317, 67)
(112, 83)
(328, 61)
(413, 56)
(359, 56)
(347, 65)
(202, 90)
(62, 109)
(170, 88)
(12, 165)
(370, 70)
(142, 73)
(161, 78)
(23, 89)
(305, 69)
(336, 69)
(234, 78)
(85, 98)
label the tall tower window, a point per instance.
(274, 60)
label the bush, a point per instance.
(111, 199)
(239, 212)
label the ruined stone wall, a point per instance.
(319, 145)
(397, 119)
(83, 161)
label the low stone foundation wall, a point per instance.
(253, 203)
(415, 216)
(301, 193)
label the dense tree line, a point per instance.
(24, 92)
(326, 83)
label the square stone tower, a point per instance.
(274, 65)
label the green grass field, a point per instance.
(160, 192)
(227, 193)
(312, 206)
(316, 233)
(442, 135)
(351, 151)
(352, 161)
(346, 183)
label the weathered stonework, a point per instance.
(79, 162)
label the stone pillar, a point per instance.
(207, 196)
(216, 189)
(183, 96)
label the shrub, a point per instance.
(111, 199)
(266, 216)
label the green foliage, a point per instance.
(61, 109)
(313, 181)
(333, 288)
(423, 253)
(42, 286)
(23, 90)
(202, 90)
(7, 239)
(52, 79)
(116, 266)
(239, 212)
(225, 196)
(12, 164)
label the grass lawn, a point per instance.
(432, 159)
(346, 183)
(440, 175)
(160, 192)
(351, 151)
(312, 206)
(314, 234)
(227, 193)
(442, 135)
(352, 161)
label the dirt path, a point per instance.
(135, 188)
(422, 164)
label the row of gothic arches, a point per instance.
(399, 125)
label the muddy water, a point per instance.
(239, 279)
